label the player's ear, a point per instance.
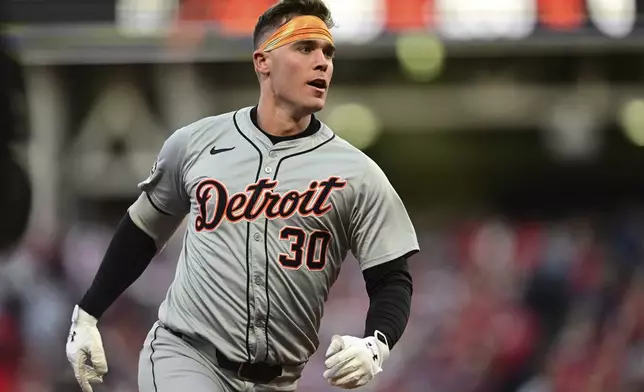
(261, 61)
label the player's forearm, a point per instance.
(127, 256)
(389, 286)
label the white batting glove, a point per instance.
(352, 362)
(83, 343)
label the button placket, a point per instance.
(259, 263)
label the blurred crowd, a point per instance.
(499, 305)
(526, 306)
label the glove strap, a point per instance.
(382, 349)
(75, 314)
(79, 315)
(381, 336)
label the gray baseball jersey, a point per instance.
(268, 229)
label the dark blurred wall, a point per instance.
(15, 194)
(60, 11)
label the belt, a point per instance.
(256, 372)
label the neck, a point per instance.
(280, 121)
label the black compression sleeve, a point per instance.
(390, 288)
(127, 256)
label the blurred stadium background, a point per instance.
(513, 130)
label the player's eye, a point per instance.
(305, 49)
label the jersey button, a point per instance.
(259, 323)
(257, 236)
(272, 154)
(258, 280)
(268, 169)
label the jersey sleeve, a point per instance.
(164, 187)
(380, 227)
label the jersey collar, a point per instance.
(316, 133)
(313, 127)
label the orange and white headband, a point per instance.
(300, 28)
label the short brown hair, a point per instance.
(284, 11)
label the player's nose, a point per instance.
(321, 61)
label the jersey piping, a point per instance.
(277, 169)
(259, 168)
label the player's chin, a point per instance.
(318, 107)
(315, 104)
(315, 98)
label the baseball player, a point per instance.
(274, 200)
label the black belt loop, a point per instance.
(257, 372)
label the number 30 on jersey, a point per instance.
(306, 248)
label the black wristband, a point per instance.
(127, 256)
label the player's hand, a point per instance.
(84, 343)
(352, 362)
